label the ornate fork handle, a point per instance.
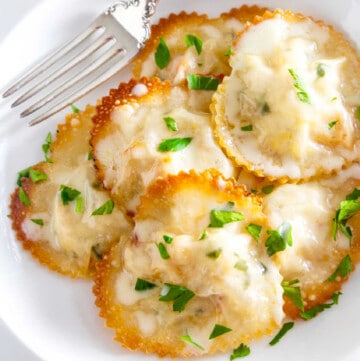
(126, 8)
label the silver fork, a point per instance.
(92, 57)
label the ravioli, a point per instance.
(66, 237)
(223, 274)
(133, 144)
(288, 110)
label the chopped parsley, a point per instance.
(68, 194)
(284, 329)
(254, 230)
(180, 295)
(357, 113)
(218, 218)
(90, 155)
(171, 124)
(200, 82)
(355, 194)
(203, 235)
(332, 124)
(79, 204)
(46, 148)
(247, 128)
(320, 70)
(241, 351)
(265, 109)
(268, 189)
(301, 93)
(142, 285)
(33, 174)
(219, 330)
(293, 292)
(214, 254)
(312, 312)
(228, 51)
(342, 270)
(163, 251)
(192, 40)
(38, 221)
(278, 239)
(23, 197)
(74, 109)
(162, 54)
(347, 209)
(174, 144)
(106, 208)
(187, 338)
(167, 239)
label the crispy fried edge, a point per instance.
(42, 250)
(217, 106)
(107, 270)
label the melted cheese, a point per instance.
(290, 137)
(131, 153)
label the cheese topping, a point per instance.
(276, 88)
(131, 157)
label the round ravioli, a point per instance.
(193, 277)
(289, 110)
(323, 216)
(196, 45)
(148, 129)
(60, 211)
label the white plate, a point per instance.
(54, 316)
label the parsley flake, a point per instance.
(347, 209)
(106, 208)
(342, 270)
(79, 204)
(23, 197)
(46, 148)
(68, 194)
(38, 221)
(284, 329)
(74, 109)
(278, 239)
(265, 109)
(228, 51)
(214, 254)
(357, 113)
(162, 54)
(192, 40)
(254, 230)
(203, 235)
(200, 82)
(219, 330)
(268, 189)
(247, 128)
(178, 294)
(312, 312)
(293, 292)
(332, 124)
(174, 144)
(218, 218)
(142, 285)
(187, 338)
(241, 351)
(320, 70)
(167, 239)
(163, 251)
(171, 124)
(302, 94)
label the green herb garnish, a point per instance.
(38, 221)
(106, 208)
(174, 144)
(214, 254)
(228, 51)
(192, 40)
(268, 189)
(178, 294)
(79, 204)
(74, 109)
(162, 54)
(203, 235)
(312, 312)
(68, 194)
(347, 209)
(187, 338)
(46, 148)
(247, 128)
(163, 251)
(292, 291)
(219, 330)
(332, 124)
(357, 113)
(254, 230)
(284, 329)
(142, 285)
(265, 109)
(167, 239)
(241, 351)
(320, 70)
(171, 124)
(200, 82)
(278, 239)
(218, 218)
(342, 270)
(23, 197)
(302, 94)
